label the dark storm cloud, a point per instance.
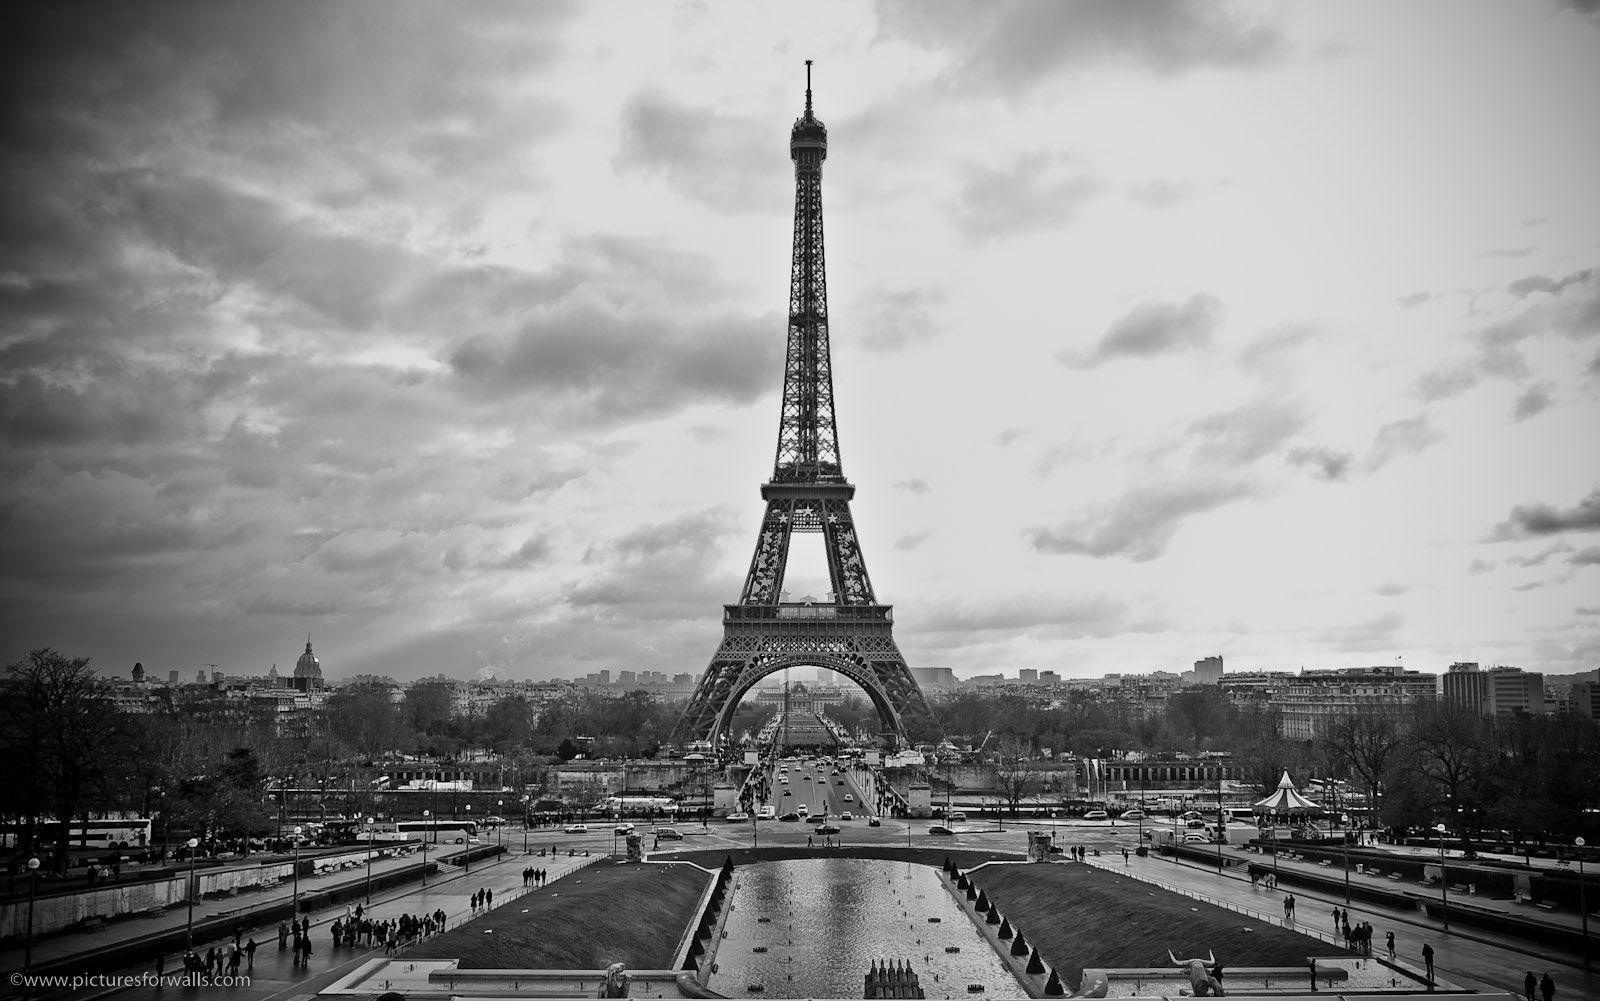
(1086, 615)
(913, 541)
(1244, 434)
(1162, 194)
(1444, 383)
(1325, 463)
(1544, 519)
(1524, 287)
(659, 571)
(1269, 354)
(1038, 191)
(1152, 329)
(1533, 401)
(1019, 43)
(1586, 557)
(894, 319)
(1411, 436)
(725, 163)
(1376, 633)
(586, 362)
(1140, 523)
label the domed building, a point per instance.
(307, 671)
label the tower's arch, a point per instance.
(888, 715)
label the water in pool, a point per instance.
(828, 919)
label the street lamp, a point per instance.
(425, 815)
(370, 822)
(468, 853)
(500, 823)
(194, 843)
(1583, 896)
(294, 908)
(1444, 880)
(33, 891)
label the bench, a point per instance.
(1394, 876)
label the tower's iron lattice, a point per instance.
(851, 633)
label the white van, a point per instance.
(767, 813)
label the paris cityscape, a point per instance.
(389, 389)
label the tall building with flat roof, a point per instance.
(1514, 690)
(1208, 670)
(1467, 688)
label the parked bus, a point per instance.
(639, 804)
(433, 831)
(132, 832)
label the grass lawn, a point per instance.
(602, 914)
(1081, 917)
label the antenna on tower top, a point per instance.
(808, 88)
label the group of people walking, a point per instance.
(1358, 936)
(533, 877)
(300, 930)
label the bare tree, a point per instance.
(58, 722)
(1367, 746)
(1017, 772)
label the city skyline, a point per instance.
(453, 336)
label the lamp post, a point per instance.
(425, 815)
(1583, 896)
(294, 909)
(500, 823)
(370, 822)
(194, 843)
(468, 853)
(1444, 880)
(33, 891)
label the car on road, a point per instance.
(940, 829)
(849, 798)
(790, 818)
(738, 818)
(1196, 839)
(1096, 815)
(956, 817)
(787, 793)
(1195, 824)
(494, 821)
(668, 834)
(620, 829)
(1133, 815)
(1190, 815)
(874, 822)
(827, 829)
(577, 828)
(847, 815)
(804, 809)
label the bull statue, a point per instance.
(615, 984)
(1199, 975)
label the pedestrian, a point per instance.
(1390, 937)
(235, 957)
(1547, 987)
(1313, 973)
(1285, 908)
(283, 936)
(250, 954)
(1530, 983)
(1427, 961)
(488, 898)
(1336, 919)
(1291, 907)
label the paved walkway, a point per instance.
(274, 973)
(1472, 958)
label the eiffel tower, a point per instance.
(851, 633)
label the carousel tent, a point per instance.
(1286, 801)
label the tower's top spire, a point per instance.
(808, 131)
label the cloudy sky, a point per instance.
(452, 334)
